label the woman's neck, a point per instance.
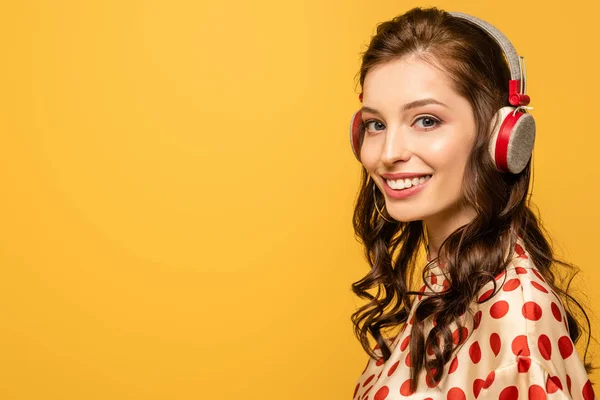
(439, 227)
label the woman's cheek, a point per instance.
(441, 150)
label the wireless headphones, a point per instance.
(512, 140)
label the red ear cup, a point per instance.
(356, 135)
(512, 139)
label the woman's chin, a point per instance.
(405, 217)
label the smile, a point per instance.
(401, 184)
(403, 188)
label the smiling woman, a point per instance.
(445, 142)
(416, 139)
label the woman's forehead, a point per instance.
(405, 80)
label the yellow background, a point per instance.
(178, 186)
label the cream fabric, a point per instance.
(518, 346)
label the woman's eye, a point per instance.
(429, 122)
(373, 126)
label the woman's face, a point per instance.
(422, 139)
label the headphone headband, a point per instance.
(503, 42)
(518, 76)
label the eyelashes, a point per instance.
(437, 121)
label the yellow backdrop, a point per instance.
(178, 189)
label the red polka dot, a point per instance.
(456, 394)
(364, 396)
(453, 365)
(539, 287)
(511, 285)
(405, 388)
(393, 368)
(495, 343)
(485, 296)
(588, 391)
(407, 360)
(430, 381)
(519, 346)
(520, 270)
(565, 346)
(412, 320)
(382, 393)
(455, 338)
(427, 398)
(537, 273)
(536, 392)
(532, 311)
(489, 380)
(433, 278)
(520, 252)
(499, 309)
(430, 350)
(475, 352)
(553, 384)
(422, 290)
(545, 347)
(569, 383)
(509, 393)
(356, 390)
(405, 343)
(476, 319)
(380, 362)
(556, 312)
(378, 376)
(477, 386)
(500, 275)
(446, 284)
(369, 379)
(523, 364)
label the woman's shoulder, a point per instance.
(522, 287)
(521, 327)
(522, 316)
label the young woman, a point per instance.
(445, 141)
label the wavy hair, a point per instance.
(475, 252)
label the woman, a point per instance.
(489, 321)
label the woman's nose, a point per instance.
(397, 146)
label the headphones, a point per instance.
(512, 140)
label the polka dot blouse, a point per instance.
(518, 347)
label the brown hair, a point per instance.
(475, 252)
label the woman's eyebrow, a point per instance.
(408, 106)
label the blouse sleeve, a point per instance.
(528, 379)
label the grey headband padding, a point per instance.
(521, 143)
(505, 44)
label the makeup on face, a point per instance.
(418, 136)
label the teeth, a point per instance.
(407, 183)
